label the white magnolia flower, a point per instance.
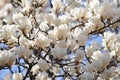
(42, 76)
(7, 31)
(96, 46)
(105, 9)
(8, 19)
(96, 54)
(95, 23)
(115, 18)
(89, 51)
(94, 4)
(102, 62)
(97, 65)
(53, 35)
(56, 4)
(79, 54)
(43, 26)
(43, 65)
(35, 69)
(87, 76)
(89, 14)
(80, 36)
(49, 18)
(62, 31)
(6, 55)
(71, 44)
(18, 18)
(88, 67)
(42, 41)
(108, 36)
(64, 19)
(73, 4)
(100, 78)
(55, 70)
(2, 4)
(45, 2)
(108, 73)
(22, 52)
(61, 44)
(17, 33)
(87, 29)
(108, 39)
(59, 32)
(7, 77)
(17, 76)
(3, 13)
(58, 53)
(117, 46)
(78, 13)
(24, 41)
(72, 69)
(56, 22)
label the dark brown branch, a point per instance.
(68, 5)
(97, 31)
(79, 25)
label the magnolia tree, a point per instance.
(46, 40)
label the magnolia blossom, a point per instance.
(73, 4)
(87, 76)
(3, 13)
(59, 32)
(6, 58)
(22, 52)
(61, 44)
(79, 54)
(89, 68)
(49, 18)
(95, 23)
(74, 69)
(7, 31)
(43, 26)
(56, 4)
(42, 41)
(35, 69)
(62, 31)
(17, 76)
(92, 48)
(87, 29)
(50, 40)
(42, 76)
(115, 19)
(89, 51)
(108, 39)
(64, 19)
(105, 12)
(8, 19)
(7, 76)
(43, 65)
(80, 36)
(58, 53)
(56, 21)
(94, 4)
(101, 62)
(55, 70)
(24, 41)
(78, 13)
(71, 44)
(18, 18)
(96, 54)
(108, 73)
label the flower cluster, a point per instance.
(69, 39)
